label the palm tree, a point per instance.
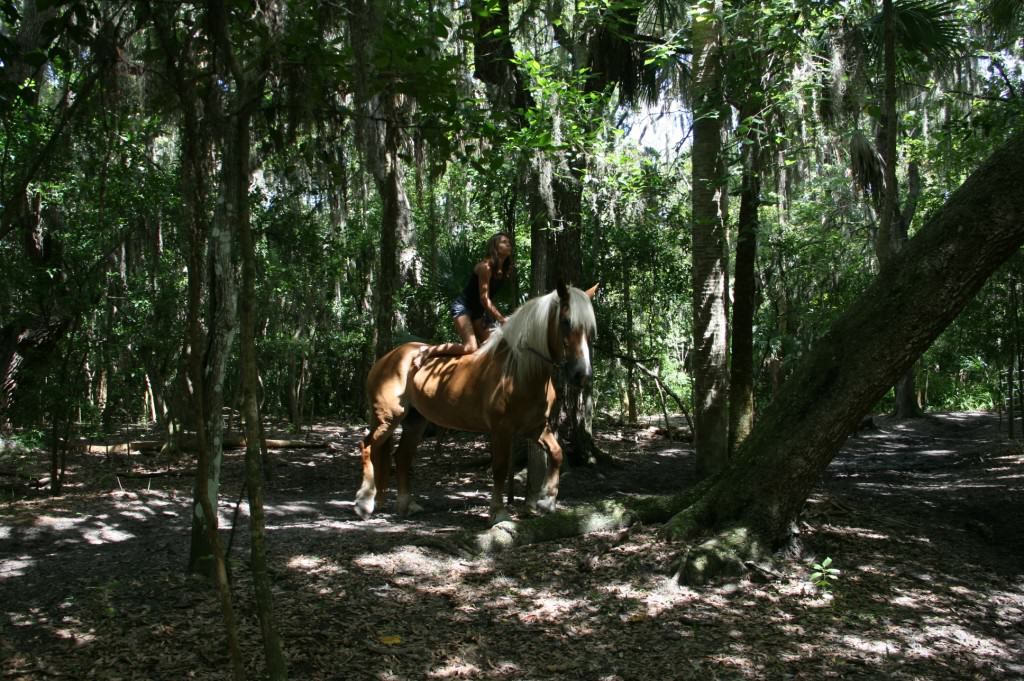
(907, 39)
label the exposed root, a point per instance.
(564, 523)
(727, 555)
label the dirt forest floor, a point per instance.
(924, 519)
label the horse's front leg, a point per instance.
(549, 492)
(501, 451)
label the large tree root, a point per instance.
(732, 552)
(728, 554)
(607, 516)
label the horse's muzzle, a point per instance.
(580, 373)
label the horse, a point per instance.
(504, 389)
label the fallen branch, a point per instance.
(230, 442)
(153, 474)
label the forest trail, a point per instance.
(922, 518)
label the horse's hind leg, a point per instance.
(375, 449)
(412, 434)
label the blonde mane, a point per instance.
(525, 333)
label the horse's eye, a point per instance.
(565, 324)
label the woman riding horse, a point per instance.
(505, 389)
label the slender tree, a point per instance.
(710, 271)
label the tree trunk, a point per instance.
(631, 391)
(741, 382)
(206, 555)
(240, 178)
(907, 404)
(222, 324)
(892, 228)
(380, 136)
(237, 173)
(753, 502)
(1012, 385)
(710, 365)
(884, 244)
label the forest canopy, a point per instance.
(387, 141)
(215, 215)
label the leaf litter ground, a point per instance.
(922, 518)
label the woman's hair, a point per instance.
(503, 271)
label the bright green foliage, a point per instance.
(113, 274)
(823, 575)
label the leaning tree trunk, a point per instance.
(710, 365)
(753, 503)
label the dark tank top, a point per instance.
(471, 293)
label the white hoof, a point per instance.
(364, 505)
(406, 506)
(500, 516)
(546, 504)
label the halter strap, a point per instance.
(557, 365)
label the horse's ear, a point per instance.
(563, 290)
(592, 291)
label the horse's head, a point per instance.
(569, 339)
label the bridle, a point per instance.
(556, 364)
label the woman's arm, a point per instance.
(483, 274)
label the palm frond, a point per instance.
(1005, 18)
(865, 163)
(929, 34)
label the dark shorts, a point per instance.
(460, 307)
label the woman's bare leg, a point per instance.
(468, 345)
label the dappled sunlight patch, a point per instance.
(288, 509)
(867, 646)
(75, 634)
(649, 598)
(60, 523)
(106, 535)
(136, 515)
(942, 634)
(549, 607)
(307, 563)
(15, 567)
(411, 561)
(937, 452)
(1009, 607)
(455, 669)
(740, 663)
(857, 532)
(33, 618)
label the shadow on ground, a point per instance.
(922, 519)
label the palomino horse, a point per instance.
(504, 388)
